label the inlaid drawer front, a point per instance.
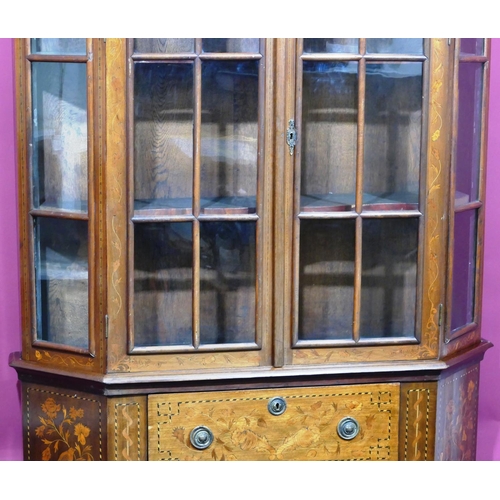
(357, 422)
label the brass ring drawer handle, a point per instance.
(348, 428)
(201, 437)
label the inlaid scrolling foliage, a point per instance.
(63, 433)
(434, 186)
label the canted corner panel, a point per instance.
(127, 428)
(62, 426)
(457, 415)
(244, 429)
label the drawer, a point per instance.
(276, 424)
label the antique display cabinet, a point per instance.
(251, 249)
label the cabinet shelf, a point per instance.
(228, 205)
(346, 202)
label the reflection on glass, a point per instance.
(332, 45)
(411, 46)
(464, 269)
(163, 136)
(62, 274)
(227, 282)
(163, 45)
(472, 46)
(163, 273)
(329, 128)
(326, 279)
(59, 46)
(59, 120)
(389, 278)
(231, 45)
(393, 129)
(470, 81)
(229, 132)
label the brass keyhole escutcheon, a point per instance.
(276, 406)
(291, 136)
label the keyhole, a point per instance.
(276, 406)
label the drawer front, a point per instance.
(241, 426)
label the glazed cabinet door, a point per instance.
(364, 198)
(59, 111)
(190, 152)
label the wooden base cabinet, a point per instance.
(407, 420)
(251, 249)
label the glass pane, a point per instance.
(229, 145)
(393, 129)
(59, 46)
(59, 93)
(163, 45)
(163, 273)
(62, 281)
(231, 45)
(413, 46)
(326, 279)
(227, 282)
(332, 45)
(389, 278)
(468, 152)
(472, 46)
(163, 136)
(464, 269)
(329, 128)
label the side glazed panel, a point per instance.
(62, 425)
(417, 422)
(245, 429)
(457, 415)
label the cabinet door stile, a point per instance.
(92, 176)
(356, 323)
(118, 201)
(295, 160)
(130, 193)
(281, 213)
(196, 194)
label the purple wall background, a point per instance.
(11, 445)
(488, 447)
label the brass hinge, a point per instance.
(440, 315)
(106, 326)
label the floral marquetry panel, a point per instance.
(456, 427)
(244, 428)
(63, 426)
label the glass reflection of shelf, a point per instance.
(228, 205)
(461, 199)
(224, 205)
(165, 207)
(71, 206)
(346, 202)
(327, 202)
